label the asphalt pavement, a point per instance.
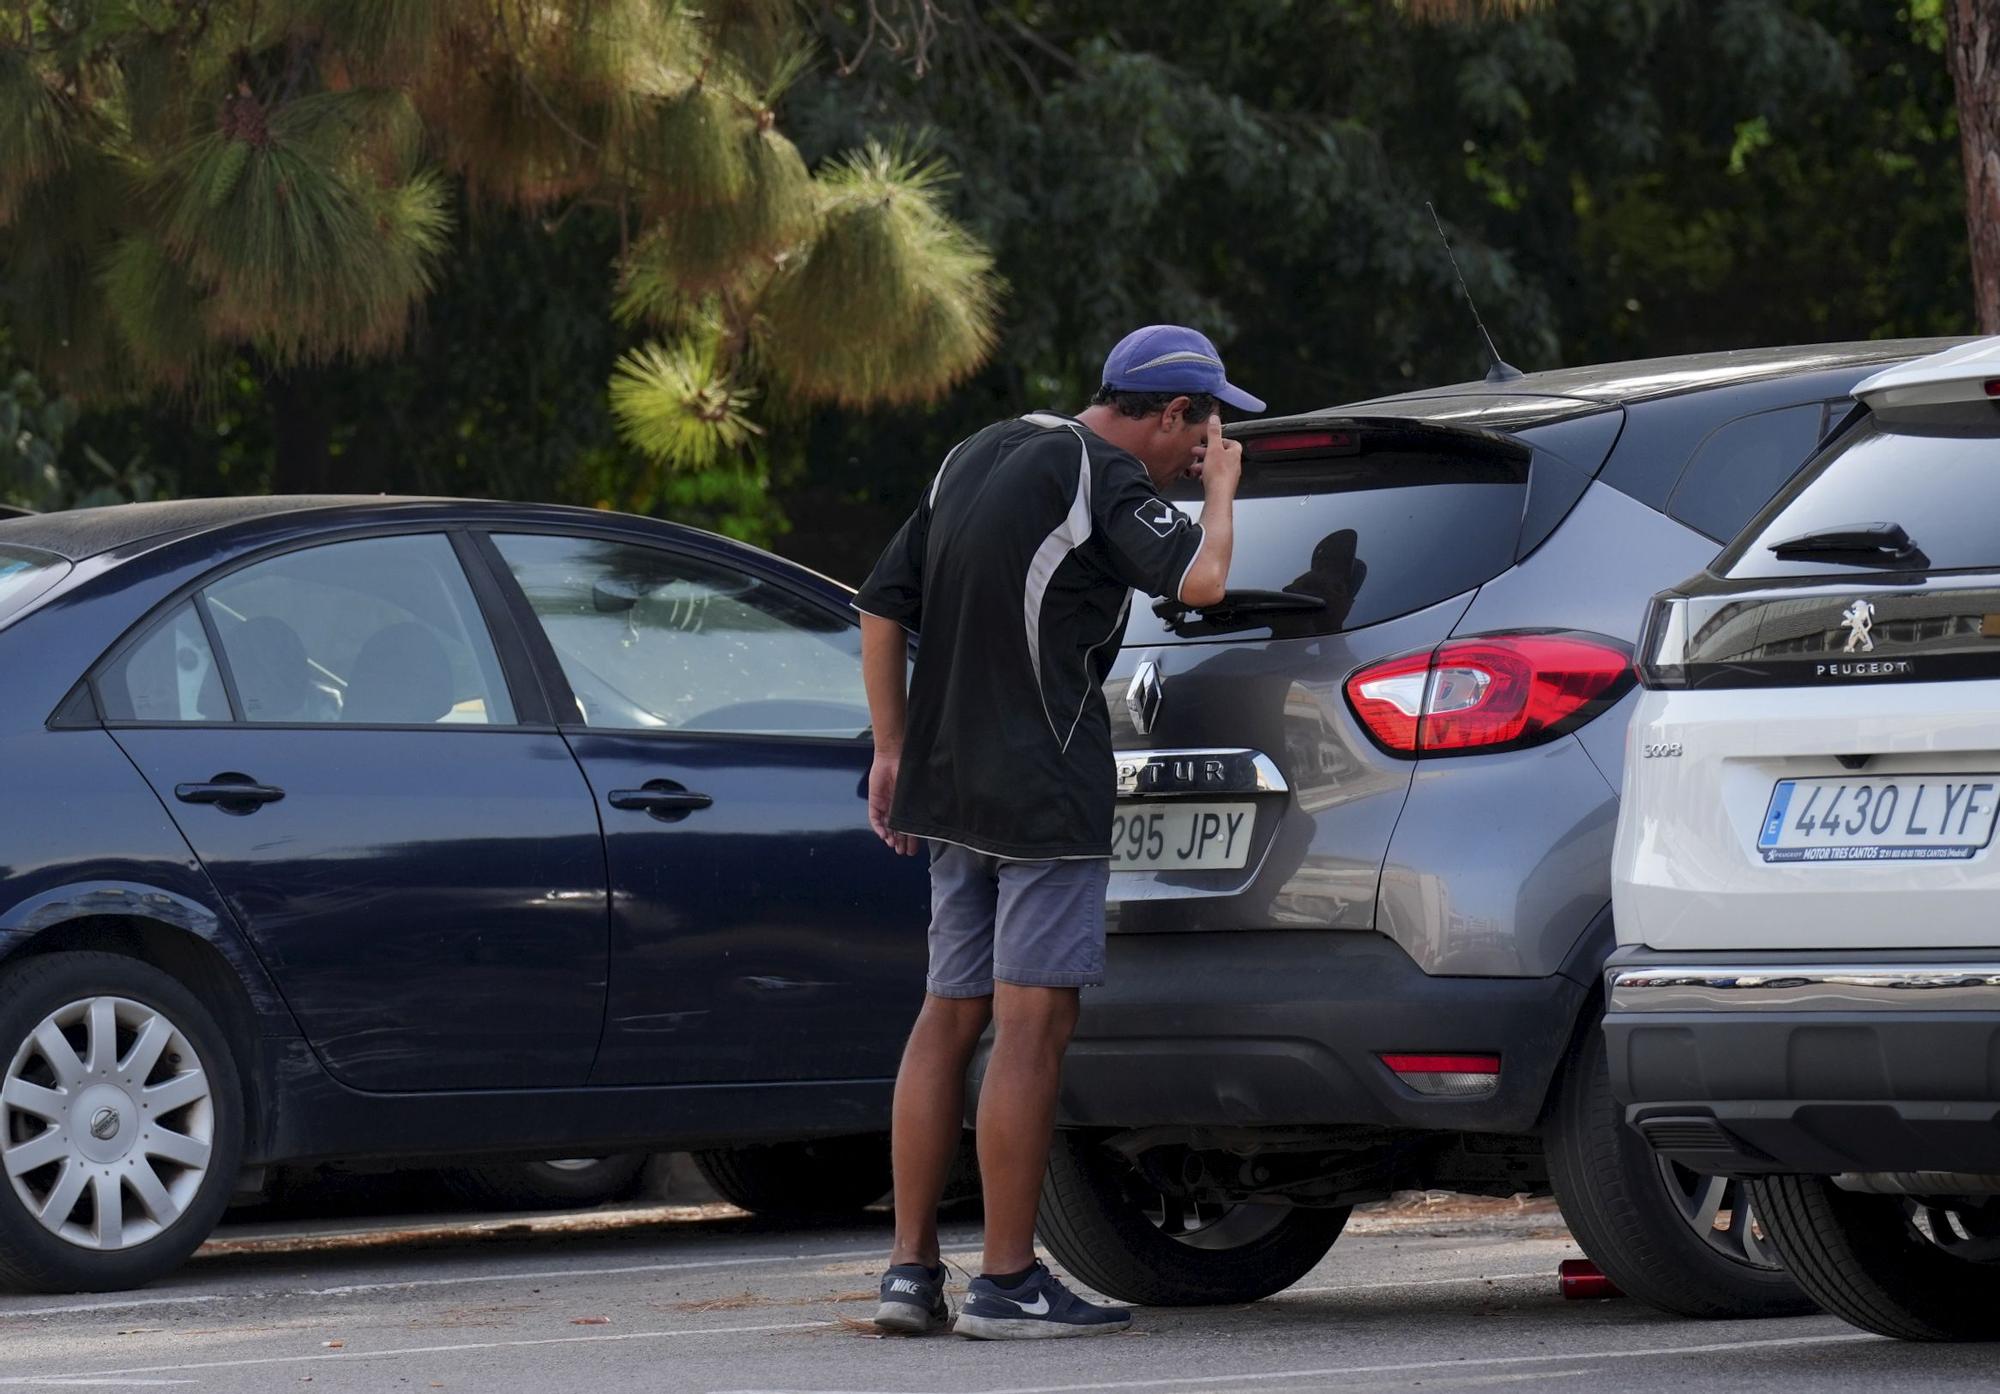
(703, 1298)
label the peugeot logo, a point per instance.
(1859, 619)
(1143, 697)
(104, 1124)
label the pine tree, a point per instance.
(187, 182)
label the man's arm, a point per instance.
(885, 669)
(1207, 576)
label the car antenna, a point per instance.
(1502, 370)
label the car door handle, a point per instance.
(227, 789)
(661, 798)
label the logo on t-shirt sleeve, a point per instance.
(1160, 517)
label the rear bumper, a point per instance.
(1283, 1027)
(1818, 1063)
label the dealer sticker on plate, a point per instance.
(1934, 818)
(1172, 835)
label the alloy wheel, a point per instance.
(1719, 1211)
(1201, 1224)
(1967, 1228)
(107, 1123)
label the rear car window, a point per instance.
(1741, 465)
(1936, 474)
(26, 575)
(169, 675)
(1393, 523)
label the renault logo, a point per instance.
(1143, 697)
(104, 1124)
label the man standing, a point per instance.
(1016, 568)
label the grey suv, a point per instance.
(1361, 894)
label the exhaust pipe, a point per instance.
(1919, 1183)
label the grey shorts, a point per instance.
(1035, 924)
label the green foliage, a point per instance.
(185, 187)
(892, 299)
(676, 403)
(31, 127)
(1620, 177)
(696, 250)
(41, 468)
(298, 244)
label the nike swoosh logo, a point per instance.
(1038, 1308)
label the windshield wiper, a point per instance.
(1238, 607)
(1876, 539)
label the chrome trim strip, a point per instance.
(1181, 773)
(1967, 987)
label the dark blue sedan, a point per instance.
(346, 828)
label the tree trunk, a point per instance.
(301, 436)
(1974, 47)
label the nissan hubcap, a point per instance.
(106, 1123)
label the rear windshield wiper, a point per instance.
(1237, 608)
(1871, 539)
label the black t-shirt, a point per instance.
(1015, 571)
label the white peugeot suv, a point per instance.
(1806, 993)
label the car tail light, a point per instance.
(1293, 442)
(1447, 1076)
(1493, 692)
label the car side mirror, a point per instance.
(612, 596)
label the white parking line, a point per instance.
(315, 1357)
(60, 1382)
(1418, 1283)
(554, 1274)
(120, 1305)
(407, 1284)
(546, 1275)
(1348, 1371)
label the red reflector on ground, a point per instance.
(1579, 1280)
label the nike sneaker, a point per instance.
(913, 1300)
(1036, 1308)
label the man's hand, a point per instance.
(1221, 468)
(885, 666)
(1218, 461)
(881, 795)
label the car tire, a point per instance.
(173, 1149)
(1862, 1259)
(553, 1185)
(1650, 1226)
(821, 1179)
(1096, 1219)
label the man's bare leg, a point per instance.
(929, 1117)
(1017, 1105)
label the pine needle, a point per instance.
(892, 302)
(33, 141)
(677, 404)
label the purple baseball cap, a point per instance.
(1172, 358)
